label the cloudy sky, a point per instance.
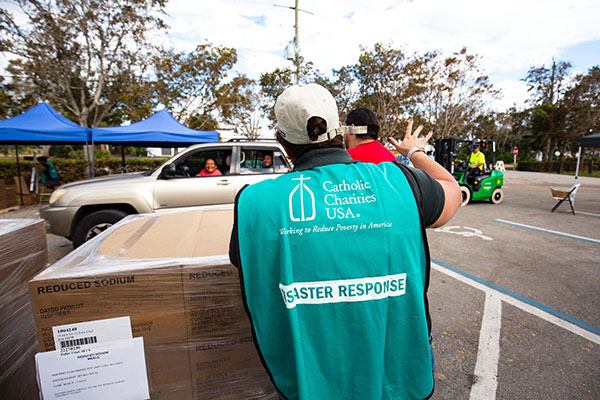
(510, 35)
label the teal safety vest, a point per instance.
(333, 271)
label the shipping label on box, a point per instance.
(75, 338)
(114, 370)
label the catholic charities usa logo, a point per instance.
(298, 196)
(346, 290)
(340, 200)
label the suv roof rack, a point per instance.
(252, 140)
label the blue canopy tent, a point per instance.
(41, 125)
(159, 130)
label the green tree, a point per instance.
(202, 121)
(273, 83)
(198, 89)
(83, 56)
(548, 85)
(383, 76)
(549, 111)
(17, 94)
(188, 84)
(239, 103)
(445, 94)
(548, 127)
(6, 101)
(583, 105)
(341, 87)
(453, 92)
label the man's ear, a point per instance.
(287, 152)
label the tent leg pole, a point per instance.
(89, 161)
(124, 169)
(93, 159)
(19, 173)
(578, 162)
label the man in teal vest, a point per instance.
(333, 260)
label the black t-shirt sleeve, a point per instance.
(428, 193)
(234, 246)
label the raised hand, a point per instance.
(411, 139)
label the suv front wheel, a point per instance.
(94, 224)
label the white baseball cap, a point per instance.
(297, 104)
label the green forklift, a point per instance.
(454, 154)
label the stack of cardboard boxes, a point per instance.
(171, 275)
(23, 253)
(24, 196)
(8, 195)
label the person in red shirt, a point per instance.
(366, 147)
(210, 168)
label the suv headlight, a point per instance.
(57, 194)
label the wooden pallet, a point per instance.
(13, 208)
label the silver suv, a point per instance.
(81, 210)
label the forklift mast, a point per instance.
(445, 153)
(446, 150)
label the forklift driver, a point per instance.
(476, 161)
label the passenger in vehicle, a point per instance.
(227, 169)
(267, 161)
(210, 168)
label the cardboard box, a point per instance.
(171, 274)
(29, 199)
(8, 195)
(11, 196)
(23, 253)
(21, 185)
(3, 203)
(23, 194)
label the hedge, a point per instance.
(74, 170)
(552, 166)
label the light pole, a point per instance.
(296, 38)
(296, 44)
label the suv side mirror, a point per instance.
(169, 171)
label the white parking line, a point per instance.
(535, 228)
(585, 213)
(584, 333)
(488, 353)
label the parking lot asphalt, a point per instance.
(514, 293)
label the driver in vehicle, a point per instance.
(210, 168)
(476, 161)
